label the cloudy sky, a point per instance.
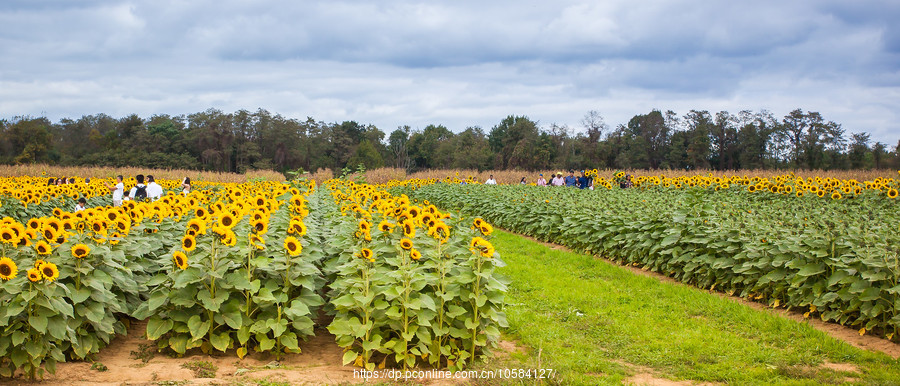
(456, 63)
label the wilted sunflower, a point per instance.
(188, 243)
(34, 274)
(180, 259)
(292, 246)
(415, 254)
(80, 251)
(406, 243)
(43, 248)
(8, 268)
(49, 271)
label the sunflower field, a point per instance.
(825, 246)
(243, 268)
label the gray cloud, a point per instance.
(457, 63)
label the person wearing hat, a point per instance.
(541, 180)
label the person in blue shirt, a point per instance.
(584, 181)
(571, 180)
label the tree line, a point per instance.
(236, 142)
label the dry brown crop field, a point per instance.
(108, 172)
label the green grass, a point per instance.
(594, 322)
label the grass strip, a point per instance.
(596, 323)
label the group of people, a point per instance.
(149, 191)
(582, 182)
(65, 181)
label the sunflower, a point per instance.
(34, 274)
(80, 251)
(34, 224)
(200, 213)
(8, 236)
(260, 226)
(8, 268)
(180, 259)
(480, 245)
(406, 244)
(43, 248)
(188, 243)
(440, 231)
(836, 195)
(386, 226)
(229, 239)
(892, 193)
(53, 223)
(198, 225)
(415, 254)
(820, 193)
(364, 226)
(292, 246)
(297, 227)
(409, 229)
(227, 220)
(49, 271)
(98, 226)
(367, 254)
(49, 233)
(256, 241)
(486, 229)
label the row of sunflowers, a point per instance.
(836, 259)
(783, 184)
(250, 267)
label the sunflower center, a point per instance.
(5, 270)
(47, 271)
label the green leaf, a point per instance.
(157, 299)
(39, 323)
(811, 269)
(221, 341)
(349, 357)
(197, 326)
(156, 327)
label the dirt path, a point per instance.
(319, 363)
(837, 331)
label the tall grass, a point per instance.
(108, 172)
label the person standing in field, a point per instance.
(571, 180)
(541, 180)
(523, 182)
(118, 191)
(139, 191)
(81, 204)
(584, 181)
(154, 191)
(491, 180)
(186, 186)
(558, 180)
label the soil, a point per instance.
(837, 331)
